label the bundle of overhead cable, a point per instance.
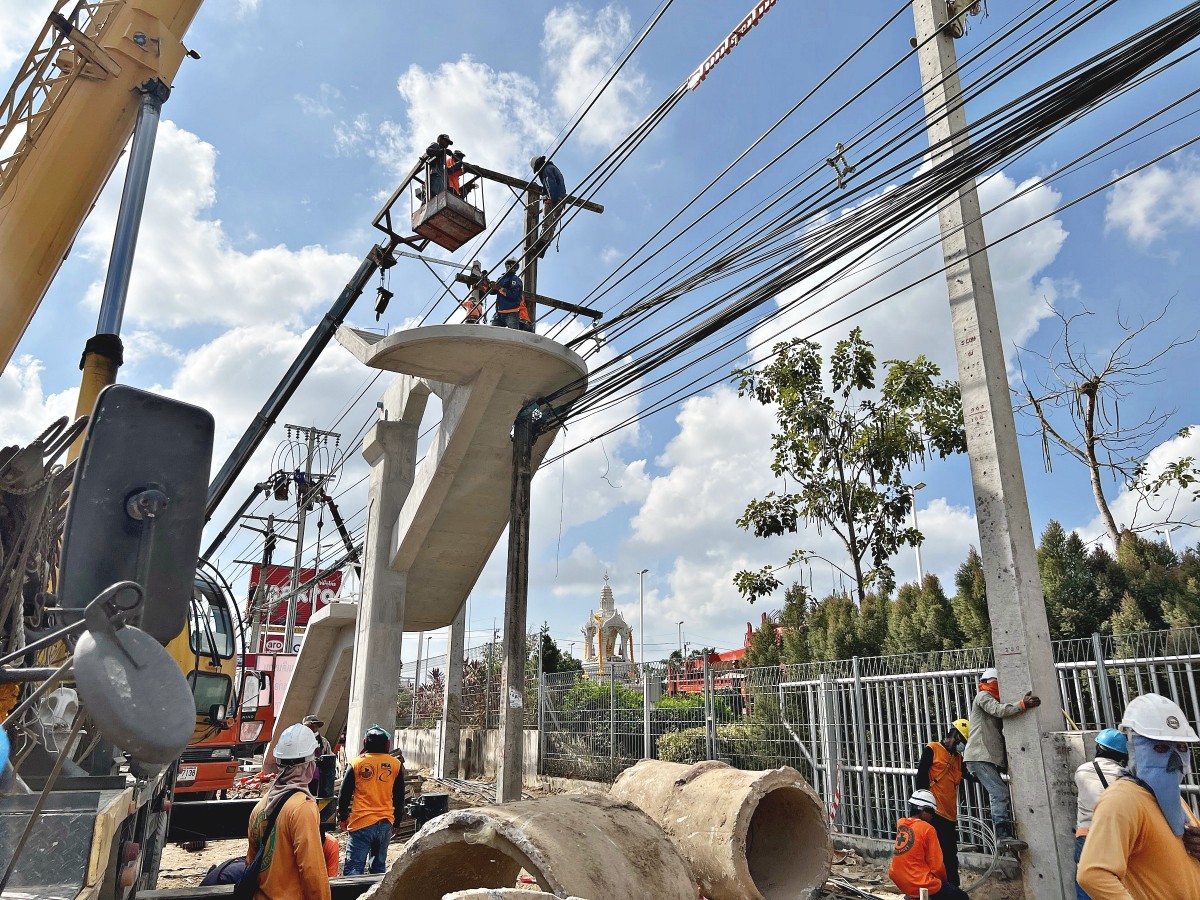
(801, 249)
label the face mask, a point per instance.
(1163, 773)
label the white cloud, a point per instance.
(580, 50)
(187, 270)
(1148, 205)
(1131, 511)
(22, 20)
(321, 105)
(28, 410)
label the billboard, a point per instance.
(313, 595)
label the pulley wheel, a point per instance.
(147, 710)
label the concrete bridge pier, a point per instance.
(391, 449)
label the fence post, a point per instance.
(612, 720)
(645, 711)
(710, 735)
(827, 712)
(867, 808)
(541, 717)
(1110, 720)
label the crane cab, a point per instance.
(444, 216)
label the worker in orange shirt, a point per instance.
(1143, 840)
(370, 802)
(940, 772)
(917, 857)
(285, 830)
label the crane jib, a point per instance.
(726, 46)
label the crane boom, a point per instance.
(66, 119)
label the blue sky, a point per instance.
(280, 143)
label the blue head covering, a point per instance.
(1163, 773)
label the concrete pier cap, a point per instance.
(572, 845)
(746, 835)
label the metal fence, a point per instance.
(855, 728)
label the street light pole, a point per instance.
(1167, 534)
(920, 572)
(680, 624)
(642, 616)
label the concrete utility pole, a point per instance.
(1042, 805)
(304, 495)
(516, 609)
(450, 736)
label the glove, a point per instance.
(344, 825)
(1029, 701)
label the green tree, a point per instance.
(970, 602)
(1069, 583)
(833, 628)
(873, 623)
(764, 649)
(553, 658)
(794, 619)
(848, 451)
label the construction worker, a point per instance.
(284, 832)
(315, 724)
(479, 288)
(1091, 780)
(939, 771)
(454, 172)
(986, 755)
(1143, 837)
(509, 296)
(555, 187)
(370, 802)
(435, 166)
(917, 857)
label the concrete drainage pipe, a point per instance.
(573, 846)
(746, 835)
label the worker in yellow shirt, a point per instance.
(285, 853)
(370, 801)
(1137, 845)
(917, 857)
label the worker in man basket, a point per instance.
(1092, 779)
(1144, 841)
(285, 853)
(940, 772)
(555, 188)
(986, 755)
(917, 857)
(509, 296)
(370, 802)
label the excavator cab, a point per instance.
(442, 214)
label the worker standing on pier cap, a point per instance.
(509, 293)
(986, 755)
(1144, 841)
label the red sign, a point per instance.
(313, 595)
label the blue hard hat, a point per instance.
(1113, 740)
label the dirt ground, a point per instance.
(186, 868)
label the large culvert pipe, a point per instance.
(746, 835)
(576, 845)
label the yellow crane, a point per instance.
(63, 124)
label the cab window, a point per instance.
(212, 625)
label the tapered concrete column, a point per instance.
(451, 734)
(390, 446)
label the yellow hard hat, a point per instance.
(963, 727)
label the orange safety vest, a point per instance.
(945, 774)
(474, 309)
(453, 175)
(917, 858)
(375, 775)
(523, 310)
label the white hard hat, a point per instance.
(296, 745)
(989, 675)
(1154, 716)
(923, 799)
